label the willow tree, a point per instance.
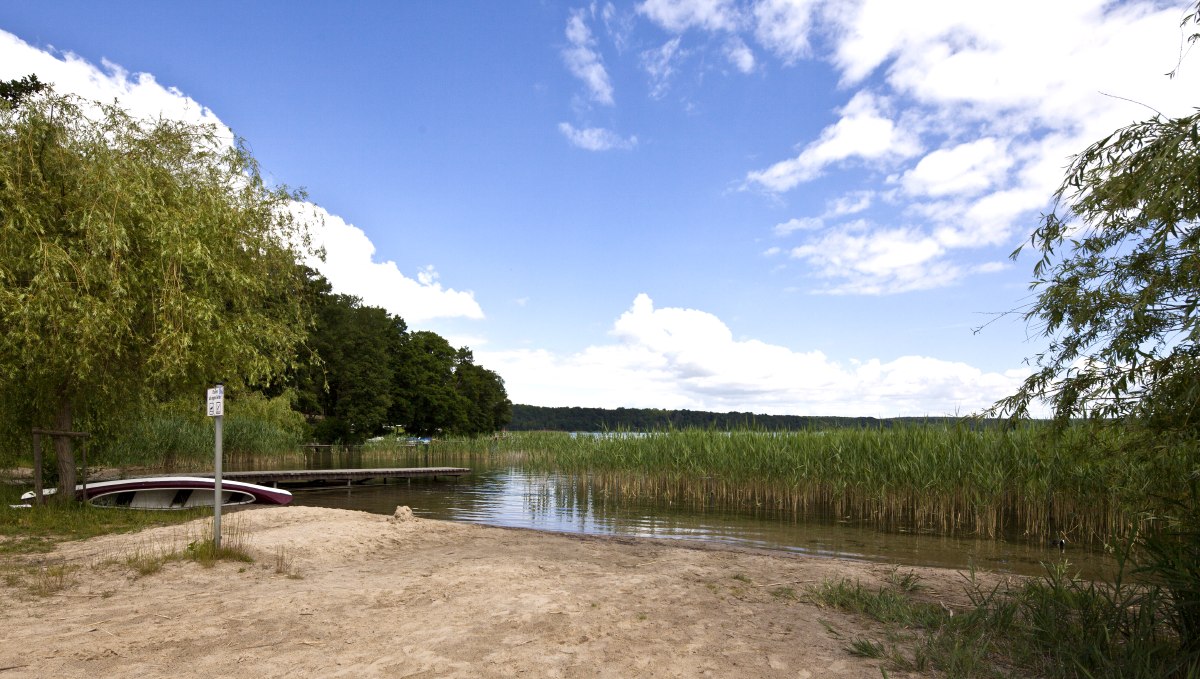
(1118, 282)
(138, 259)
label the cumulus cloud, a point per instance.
(139, 93)
(596, 138)
(349, 264)
(688, 358)
(965, 169)
(972, 115)
(679, 15)
(584, 62)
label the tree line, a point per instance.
(540, 418)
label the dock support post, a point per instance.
(39, 498)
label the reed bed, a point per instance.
(1085, 485)
(178, 434)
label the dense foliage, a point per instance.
(138, 260)
(143, 260)
(1119, 282)
(369, 375)
(177, 434)
(13, 92)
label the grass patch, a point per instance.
(234, 545)
(38, 529)
(201, 549)
(41, 580)
(285, 564)
(881, 604)
(50, 579)
(25, 544)
(146, 562)
(784, 593)
(1057, 626)
(46, 527)
(865, 648)
(905, 582)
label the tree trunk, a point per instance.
(65, 454)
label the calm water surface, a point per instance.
(508, 495)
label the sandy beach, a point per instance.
(334, 593)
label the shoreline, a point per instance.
(369, 595)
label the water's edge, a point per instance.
(510, 496)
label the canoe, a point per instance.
(173, 492)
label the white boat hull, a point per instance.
(173, 493)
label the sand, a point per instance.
(335, 593)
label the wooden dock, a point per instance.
(348, 476)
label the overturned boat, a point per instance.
(173, 492)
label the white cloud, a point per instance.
(1002, 101)
(862, 132)
(679, 15)
(351, 267)
(992, 267)
(871, 261)
(139, 93)
(798, 224)
(783, 27)
(964, 170)
(584, 61)
(849, 204)
(687, 358)
(741, 56)
(660, 65)
(349, 264)
(619, 25)
(596, 138)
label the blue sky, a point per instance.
(774, 206)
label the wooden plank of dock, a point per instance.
(333, 475)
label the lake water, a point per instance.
(508, 495)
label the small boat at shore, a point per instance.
(173, 492)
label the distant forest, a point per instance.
(538, 418)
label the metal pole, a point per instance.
(217, 488)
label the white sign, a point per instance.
(216, 401)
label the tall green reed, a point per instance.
(1081, 485)
(178, 433)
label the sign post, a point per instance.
(216, 409)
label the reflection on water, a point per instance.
(511, 496)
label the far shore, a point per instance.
(343, 593)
